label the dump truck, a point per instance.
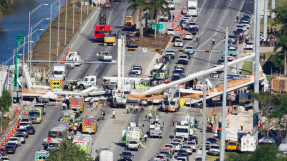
(89, 124)
(77, 102)
(129, 25)
(85, 142)
(132, 136)
(155, 128)
(36, 114)
(69, 116)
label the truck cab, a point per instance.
(36, 114)
(192, 7)
(60, 71)
(87, 82)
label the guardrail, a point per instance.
(74, 37)
(12, 123)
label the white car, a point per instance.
(176, 146)
(178, 43)
(184, 24)
(241, 26)
(189, 49)
(188, 36)
(170, 53)
(71, 63)
(214, 150)
(161, 157)
(171, 5)
(168, 146)
(249, 45)
(170, 31)
(192, 25)
(24, 125)
(230, 58)
(137, 69)
(233, 50)
(188, 149)
(21, 136)
(245, 24)
(192, 144)
(15, 140)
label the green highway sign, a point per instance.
(228, 52)
(159, 26)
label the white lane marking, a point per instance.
(110, 15)
(130, 63)
(110, 70)
(124, 17)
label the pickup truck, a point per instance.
(105, 56)
(182, 59)
(133, 145)
(137, 69)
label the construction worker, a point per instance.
(173, 121)
(145, 137)
(127, 107)
(208, 120)
(150, 115)
(196, 38)
(114, 114)
(200, 111)
(213, 41)
(146, 115)
(241, 125)
(134, 109)
(103, 117)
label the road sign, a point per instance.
(228, 52)
(235, 76)
(159, 26)
(144, 50)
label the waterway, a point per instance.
(16, 21)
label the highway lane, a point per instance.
(26, 152)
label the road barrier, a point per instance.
(14, 123)
(74, 37)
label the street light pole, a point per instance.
(81, 12)
(50, 43)
(66, 22)
(223, 119)
(58, 28)
(74, 17)
(203, 155)
(265, 19)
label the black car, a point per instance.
(238, 31)
(193, 138)
(193, 30)
(133, 74)
(126, 155)
(175, 37)
(212, 140)
(10, 149)
(15, 145)
(31, 130)
(182, 152)
(247, 12)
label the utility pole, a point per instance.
(254, 25)
(123, 54)
(273, 7)
(81, 11)
(119, 62)
(58, 43)
(256, 75)
(265, 19)
(203, 155)
(223, 124)
(66, 22)
(74, 17)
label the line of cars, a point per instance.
(25, 129)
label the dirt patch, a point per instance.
(41, 48)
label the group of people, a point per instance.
(134, 109)
(269, 41)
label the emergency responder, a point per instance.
(137, 108)
(64, 105)
(154, 110)
(208, 120)
(103, 115)
(146, 115)
(145, 137)
(91, 103)
(127, 107)
(200, 111)
(173, 121)
(75, 130)
(150, 115)
(45, 145)
(196, 38)
(241, 125)
(213, 41)
(142, 108)
(114, 114)
(134, 109)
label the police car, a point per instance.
(178, 43)
(137, 69)
(188, 36)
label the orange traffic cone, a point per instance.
(176, 29)
(184, 6)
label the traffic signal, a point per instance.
(207, 51)
(157, 49)
(131, 49)
(181, 50)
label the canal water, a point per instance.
(16, 21)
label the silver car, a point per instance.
(21, 136)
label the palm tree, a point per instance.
(155, 8)
(138, 5)
(282, 44)
(68, 151)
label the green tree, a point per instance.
(68, 151)
(282, 45)
(138, 5)
(156, 7)
(262, 153)
(281, 15)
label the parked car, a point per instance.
(24, 124)
(176, 145)
(249, 45)
(126, 155)
(10, 149)
(182, 152)
(171, 5)
(12, 144)
(31, 129)
(232, 37)
(214, 150)
(170, 31)
(21, 136)
(212, 140)
(238, 31)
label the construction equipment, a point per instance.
(69, 116)
(156, 128)
(89, 124)
(232, 145)
(132, 136)
(129, 25)
(85, 142)
(107, 5)
(77, 102)
(131, 42)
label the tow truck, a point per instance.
(105, 56)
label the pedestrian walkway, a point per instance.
(111, 130)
